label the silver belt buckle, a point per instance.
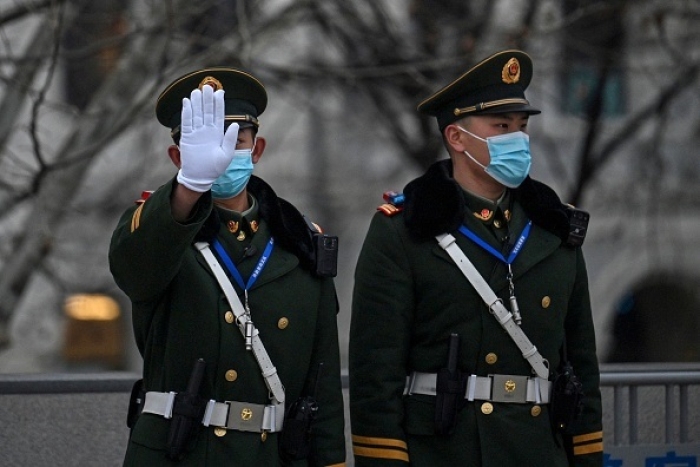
(509, 388)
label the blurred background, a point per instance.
(619, 136)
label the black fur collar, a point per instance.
(286, 223)
(434, 204)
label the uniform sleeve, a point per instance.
(586, 441)
(147, 245)
(329, 427)
(380, 333)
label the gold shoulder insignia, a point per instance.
(389, 209)
(144, 196)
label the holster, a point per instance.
(295, 439)
(567, 399)
(136, 401)
(450, 389)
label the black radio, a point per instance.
(578, 225)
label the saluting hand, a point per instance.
(205, 150)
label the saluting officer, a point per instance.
(220, 269)
(439, 375)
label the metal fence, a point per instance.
(642, 389)
(651, 416)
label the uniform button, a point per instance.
(497, 224)
(486, 408)
(283, 323)
(263, 436)
(535, 410)
(231, 375)
(229, 317)
(491, 358)
(220, 432)
(546, 301)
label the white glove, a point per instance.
(205, 151)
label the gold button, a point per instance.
(231, 375)
(263, 436)
(220, 432)
(497, 224)
(241, 236)
(229, 317)
(546, 301)
(535, 410)
(283, 323)
(491, 358)
(486, 408)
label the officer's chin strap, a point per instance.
(269, 372)
(498, 310)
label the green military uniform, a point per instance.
(180, 314)
(410, 296)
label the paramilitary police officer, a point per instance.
(234, 306)
(439, 377)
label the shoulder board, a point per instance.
(393, 205)
(144, 196)
(389, 209)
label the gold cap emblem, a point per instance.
(211, 81)
(511, 71)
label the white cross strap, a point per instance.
(269, 372)
(498, 310)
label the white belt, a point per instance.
(232, 415)
(494, 388)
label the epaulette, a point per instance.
(144, 196)
(393, 205)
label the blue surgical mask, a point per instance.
(235, 178)
(510, 157)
